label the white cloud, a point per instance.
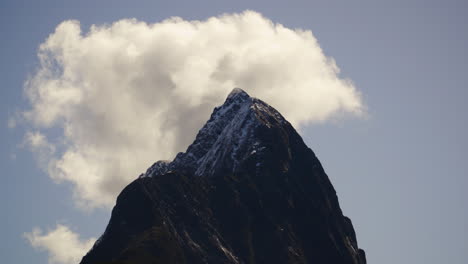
(37, 140)
(38, 143)
(62, 245)
(127, 94)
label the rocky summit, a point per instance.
(247, 190)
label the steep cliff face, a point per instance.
(248, 190)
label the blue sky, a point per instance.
(399, 172)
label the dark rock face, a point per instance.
(248, 190)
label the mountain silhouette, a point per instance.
(247, 190)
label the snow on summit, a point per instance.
(226, 139)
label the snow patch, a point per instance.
(227, 138)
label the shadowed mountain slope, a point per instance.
(248, 190)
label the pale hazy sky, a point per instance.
(396, 157)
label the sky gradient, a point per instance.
(399, 173)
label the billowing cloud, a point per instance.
(127, 94)
(62, 245)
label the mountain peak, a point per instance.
(228, 137)
(247, 190)
(238, 92)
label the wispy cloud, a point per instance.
(38, 143)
